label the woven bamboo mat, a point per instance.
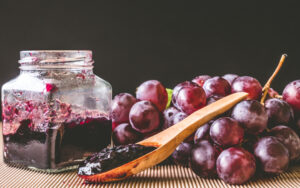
(157, 177)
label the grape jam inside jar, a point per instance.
(56, 112)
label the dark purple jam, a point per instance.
(48, 144)
(110, 158)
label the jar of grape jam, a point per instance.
(56, 112)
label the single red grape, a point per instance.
(155, 92)
(272, 155)
(190, 99)
(181, 155)
(291, 94)
(226, 132)
(168, 116)
(178, 87)
(179, 117)
(216, 86)
(279, 112)
(201, 79)
(202, 133)
(144, 117)
(235, 165)
(249, 85)
(289, 139)
(120, 108)
(203, 159)
(124, 134)
(251, 115)
(213, 98)
(230, 77)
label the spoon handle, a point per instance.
(180, 131)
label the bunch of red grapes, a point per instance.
(252, 137)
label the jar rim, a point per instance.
(56, 57)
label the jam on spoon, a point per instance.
(110, 158)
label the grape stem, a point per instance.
(268, 84)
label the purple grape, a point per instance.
(155, 92)
(124, 134)
(201, 79)
(213, 99)
(120, 108)
(235, 165)
(202, 133)
(251, 115)
(249, 85)
(179, 117)
(144, 117)
(175, 117)
(291, 94)
(289, 139)
(203, 159)
(216, 86)
(181, 155)
(230, 77)
(190, 99)
(279, 112)
(168, 115)
(272, 155)
(178, 87)
(226, 132)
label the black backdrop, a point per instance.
(171, 41)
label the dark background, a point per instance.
(171, 41)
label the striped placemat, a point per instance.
(168, 176)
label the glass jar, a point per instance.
(56, 112)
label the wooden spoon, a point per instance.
(167, 140)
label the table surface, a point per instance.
(168, 176)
